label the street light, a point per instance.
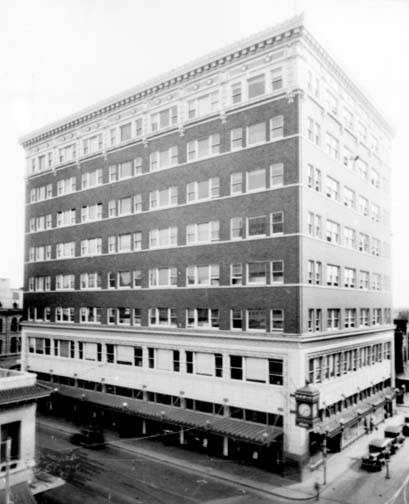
(324, 455)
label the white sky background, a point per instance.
(58, 56)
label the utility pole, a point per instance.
(324, 458)
(7, 482)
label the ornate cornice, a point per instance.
(209, 63)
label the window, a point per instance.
(349, 278)
(163, 237)
(276, 175)
(92, 178)
(350, 318)
(162, 317)
(349, 237)
(236, 367)
(333, 315)
(137, 241)
(314, 225)
(236, 139)
(204, 190)
(257, 226)
(276, 78)
(349, 197)
(236, 94)
(364, 317)
(137, 321)
(236, 319)
(332, 146)
(348, 119)
(363, 242)
(236, 228)
(236, 183)
(314, 272)
(256, 180)
(256, 320)
(124, 280)
(361, 167)
(363, 205)
(376, 316)
(90, 281)
(364, 280)
(256, 86)
(374, 178)
(202, 233)
(92, 144)
(275, 372)
(277, 272)
(362, 131)
(236, 274)
(332, 103)
(332, 189)
(204, 147)
(66, 218)
(163, 277)
(64, 282)
(164, 118)
(376, 281)
(90, 315)
(121, 171)
(65, 250)
(163, 159)
(64, 315)
(124, 316)
(256, 134)
(91, 247)
(277, 223)
(375, 212)
(276, 127)
(255, 369)
(203, 275)
(314, 178)
(125, 132)
(66, 186)
(204, 105)
(91, 213)
(318, 320)
(257, 273)
(333, 232)
(333, 273)
(277, 320)
(313, 131)
(67, 153)
(202, 317)
(165, 198)
(375, 247)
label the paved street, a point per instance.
(118, 477)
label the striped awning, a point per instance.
(235, 428)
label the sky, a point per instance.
(58, 56)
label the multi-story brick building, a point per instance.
(201, 246)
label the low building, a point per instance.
(10, 297)
(10, 337)
(18, 395)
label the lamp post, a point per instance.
(324, 455)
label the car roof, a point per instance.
(379, 442)
(393, 428)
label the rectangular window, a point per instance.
(204, 105)
(163, 237)
(256, 320)
(277, 272)
(92, 179)
(91, 212)
(256, 86)
(236, 183)
(164, 198)
(314, 178)
(163, 159)
(276, 127)
(236, 319)
(350, 318)
(163, 277)
(256, 180)
(276, 79)
(277, 320)
(277, 223)
(202, 317)
(204, 190)
(256, 134)
(333, 275)
(164, 118)
(204, 147)
(162, 317)
(236, 139)
(257, 226)
(236, 274)
(364, 317)
(236, 367)
(333, 232)
(349, 278)
(275, 371)
(236, 228)
(333, 318)
(276, 175)
(332, 146)
(203, 275)
(332, 189)
(92, 144)
(202, 233)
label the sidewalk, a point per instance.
(338, 464)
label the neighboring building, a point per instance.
(9, 297)
(200, 247)
(18, 395)
(10, 337)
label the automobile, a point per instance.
(89, 438)
(378, 449)
(405, 429)
(394, 432)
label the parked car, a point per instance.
(394, 432)
(405, 429)
(89, 438)
(378, 449)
